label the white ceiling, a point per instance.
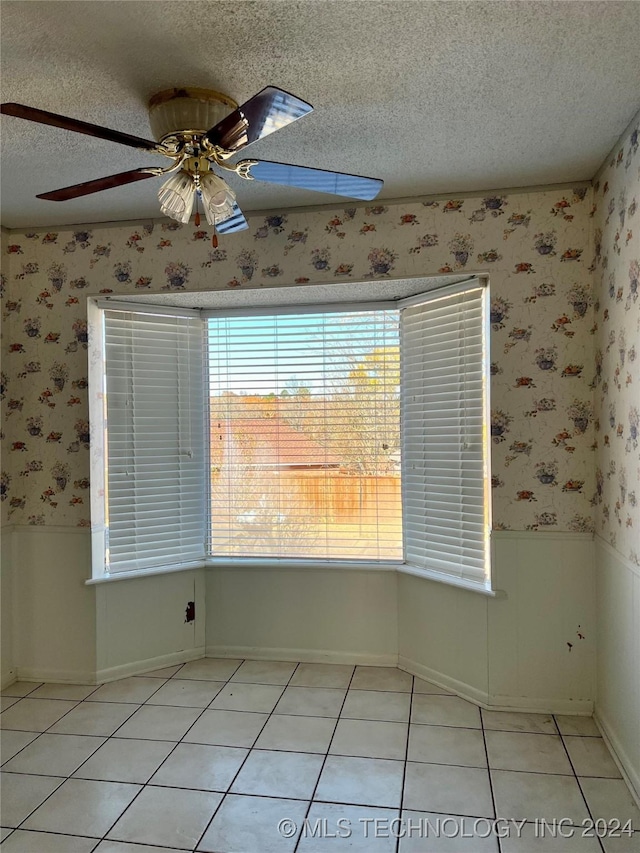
(432, 97)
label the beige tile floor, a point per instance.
(212, 755)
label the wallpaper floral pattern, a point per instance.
(617, 375)
(535, 248)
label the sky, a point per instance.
(267, 354)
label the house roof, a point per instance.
(271, 442)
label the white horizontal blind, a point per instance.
(156, 460)
(305, 435)
(444, 461)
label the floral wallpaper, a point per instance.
(535, 247)
(617, 356)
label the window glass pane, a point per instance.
(305, 435)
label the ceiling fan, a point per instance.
(179, 120)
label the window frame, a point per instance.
(97, 378)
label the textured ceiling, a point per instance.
(430, 96)
(308, 294)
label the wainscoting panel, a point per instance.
(618, 660)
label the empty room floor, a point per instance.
(233, 756)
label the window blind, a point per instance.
(155, 439)
(305, 435)
(444, 437)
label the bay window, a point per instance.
(347, 434)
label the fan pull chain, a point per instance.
(196, 219)
(214, 239)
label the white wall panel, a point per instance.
(303, 614)
(618, 668)
(7, 666)
(141, 623)
(443, 630)
(53, 611)
(510, 651)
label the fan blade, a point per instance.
(235, 222)
(261, 115)
(337, 183)
(55, 120)
(98, 185)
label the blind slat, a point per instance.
(443, 453)
(155, 440)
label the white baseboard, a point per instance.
(141, 666)
(56, 676)
(526, 704)
(630, 774)
(302, 655)
(62, 676)
(496, 703)
(465, 691)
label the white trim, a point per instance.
(301, 655)
(270, 564)
(45, 528)
(529, 705)
(97, 426)
(472, 283)
(239, 564)
(56, 676)
(489, 702)
(613, 552)
(320, 208)
(451, 580)
(460, 688)
(304, 308)
(143, 573)
(630, 774)
(107, 304)
(113, 673)
(256, 564)
(540, 535)
(419, 199)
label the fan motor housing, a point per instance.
(179, 111)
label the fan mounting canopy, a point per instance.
(175, 112)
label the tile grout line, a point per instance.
(63, 734)
(249, 751)
(486, 755)
(284, 752)
(107, 738)
(252, 748)
(39, 735)
(144, 785)
(324, 761)
(406, 759)
(576, 777)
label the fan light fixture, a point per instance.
(218, 199)
(179, 119)
(177, 196)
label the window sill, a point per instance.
(144, 573)
(337, 565)
(248, 563)
(450, 580)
